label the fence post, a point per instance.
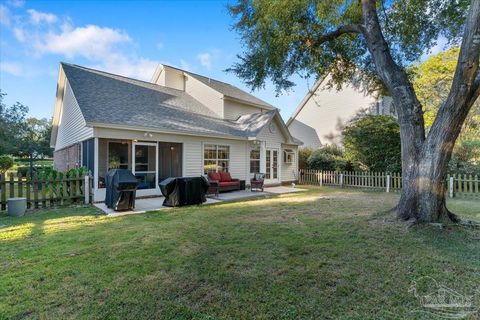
(388, 182)
(321, 178)
(86, 189)
(341, 180)
(450, 187)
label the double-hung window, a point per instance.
(216, 158)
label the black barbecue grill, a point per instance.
(184, 191)
(121, 188)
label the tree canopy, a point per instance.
(376, 40)
(22, 136)
(432, 79)
(316, 37)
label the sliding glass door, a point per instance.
(144, 166)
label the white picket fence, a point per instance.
(458, 185)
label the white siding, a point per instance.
(234, 109)
(325, 114)
(289, 170)
(206, 95)
(171, 78)
(71, 128)
(192, 151)
(272, 139)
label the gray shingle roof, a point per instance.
(227, 89)
(110, 99)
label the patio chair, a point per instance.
(257, 181)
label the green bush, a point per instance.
(329, 157)
(374, 143)
(6, 162)
(25, 170)
(303, 155)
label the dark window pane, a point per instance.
(117, 155)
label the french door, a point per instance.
(271, 161)
(144, 166)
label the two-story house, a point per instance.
(324, 111)
(178, 124)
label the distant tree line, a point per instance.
(22, 136)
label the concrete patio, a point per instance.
(156, 203)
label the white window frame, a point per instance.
(216, 144)
(288, 153)
(257, 160)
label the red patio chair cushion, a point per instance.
(225, 177)
(214, 176)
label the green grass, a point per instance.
(322, 254)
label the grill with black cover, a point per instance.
(184, 191)
(121, 188)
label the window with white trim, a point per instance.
(288, 156)
(255, 159)
(216, 158)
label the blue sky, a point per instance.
(125, 37)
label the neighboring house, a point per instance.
(179, 124)
(323, 113)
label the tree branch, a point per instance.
(330, 36)
(465, 87)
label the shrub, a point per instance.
(6, 162)
(374, 143)
(303, 155)
(320, 160)
(25, 170)
(329, 157)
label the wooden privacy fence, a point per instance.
(45, 192)
(457, 184)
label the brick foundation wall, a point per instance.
(67, 158)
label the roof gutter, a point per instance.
(262, 106)
(156, 130)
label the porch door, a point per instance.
(145, 164)
(169, 160)
(271, 161)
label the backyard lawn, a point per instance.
(322, 254)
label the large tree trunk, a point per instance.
(425, 159)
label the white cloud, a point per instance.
(441, 45)
(19, 34)
(103, 48)
(4, 16)
(37, 17)
(91, 42)
(205, 60)
(129, 66)
(12, 68)
(16, 3)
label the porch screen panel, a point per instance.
(117, 155)
(88, 154)
(145, 166)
